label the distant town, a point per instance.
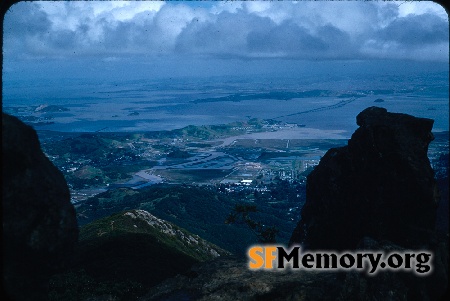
(226, 156)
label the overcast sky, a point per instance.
(169, 38)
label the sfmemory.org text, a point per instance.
(278, 257)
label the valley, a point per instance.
(181, 175)
(252, 153)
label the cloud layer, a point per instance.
(242, 30)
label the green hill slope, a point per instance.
(199, 209)
(131, 249)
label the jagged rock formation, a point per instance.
(39, 223)
(381, 185)
(379, 189)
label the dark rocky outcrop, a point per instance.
(381, 185)
(378, 193)
(399, 285)
(228, 279)
(39, 223)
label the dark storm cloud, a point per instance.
(127, 37)
(27, 19)
(304, 30)
(225, 35)
(63, 40)
(250, 36)
(416, 30)
(287, 37)
(24, 26)
(292, 40)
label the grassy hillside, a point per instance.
(202, 210)
(132, 250)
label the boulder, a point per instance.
(380, 185)
(39, 223)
